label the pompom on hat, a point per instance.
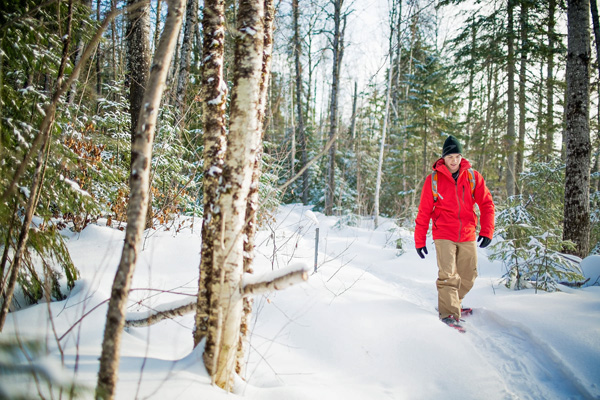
(451, 146)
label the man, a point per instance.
(449, 202)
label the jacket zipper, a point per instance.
(459, 207)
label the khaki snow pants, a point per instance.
(457, 264)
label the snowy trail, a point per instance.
(530, 368)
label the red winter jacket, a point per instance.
(453, 214)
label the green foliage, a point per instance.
(531, 255)
(348, 219)
(269, 196)
(31, 42)
(25, 374)
(529, 232)
(176, 177)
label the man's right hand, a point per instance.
(422, 250)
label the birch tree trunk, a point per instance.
(384, 129)
(578, 147)
(596, 29)
(226, 306)
(138, 202)
(252, 205)
(214, 96)
(510, 131)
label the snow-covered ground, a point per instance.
(364, 326)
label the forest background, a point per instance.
(361, 96)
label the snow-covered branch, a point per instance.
(251, 285)
(276, 280)
(166, 311)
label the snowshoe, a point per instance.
(466, 311)
(454, 323)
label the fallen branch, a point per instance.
(251, 285)
(157, 316)
(277, 280)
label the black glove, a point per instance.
(485, 241)
(422, 250)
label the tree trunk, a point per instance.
(472, 72)
(191, 20)
(226, 305)
(550, 128)
(214, 99)
(578, 148)
(77, 56)
(138, 203)
(98, 55)
(299, 108)
(252, 204)
(338, 44)
(356, 145)
(522, 94)
(596, 26)
(137, 40)
(510, 131)
(385, 124)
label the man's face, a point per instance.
(452, 162)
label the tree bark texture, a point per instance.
(578, 147)
(252, 204)
(519, 162)
(337, 45)
(138, 202)
(510, 131)
(596, 29)
(214, 98)
(226, 306)
(99, 56)
(299, 90)
(386, 114)
(191, 20)
(137, 39)
(158, 316)
(550, 80)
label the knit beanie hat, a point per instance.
(451, 146)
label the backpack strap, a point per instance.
(471, 173)
(434, 183)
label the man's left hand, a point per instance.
(485, 241)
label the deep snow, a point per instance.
(364, 326)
